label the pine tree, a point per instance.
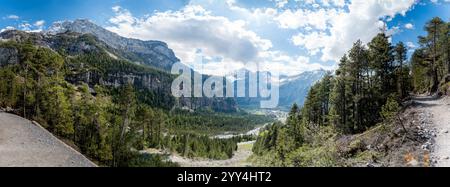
(126, 103)
(431, 46)
(340, 98)
(358, 62)
(294, 124)
(402, 71)
(382, 63)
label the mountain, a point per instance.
(293, 89)
(105, 58)
(94, 62)
(154, 54)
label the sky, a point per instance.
(286, 36)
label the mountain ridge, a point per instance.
(91, 61)
(292, 89)
(151, 53)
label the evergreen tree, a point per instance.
(430, 44)
(402, 71)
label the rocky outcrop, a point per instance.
(8, 56)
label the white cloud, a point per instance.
(39, 23)
(290, 65)
(362, 20)
(191, 28)
(25, 26)
(411, 45)
(303, 17)
(323, 3)
(439, 1)
(7, 28)
(37, 26)
(194, 28)
(409, 26)
(15, 17)
(313, 42)
(230, 35)
(281, 3)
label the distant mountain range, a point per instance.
(92, 60)
(292, 89)
(82, 36)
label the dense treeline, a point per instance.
(351, 101)
(365, 91)
(213, 123)
(195, 146)
(431, 62)
(108, 124)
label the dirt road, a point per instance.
(24, 144)
(439, 108)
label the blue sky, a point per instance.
(289, 36)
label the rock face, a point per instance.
(151, 53)
(8, 56)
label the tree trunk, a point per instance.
(435, 84)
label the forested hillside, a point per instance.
(72, 86)
(363, 96)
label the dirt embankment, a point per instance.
(418, 137)
(26, 144)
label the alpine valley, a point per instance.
(110, 98)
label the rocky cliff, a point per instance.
(154, 54)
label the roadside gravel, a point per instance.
(27, 144)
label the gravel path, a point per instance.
(440, 117)
(24, 144)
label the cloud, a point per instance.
(439, 1)
(39, 23)
(190, 28)
(25, 26)
(323, 3)
(37, 26)
(281, 3)
(313, 42)
(409, 26)
(304, 17)
(7, 28)
(290, 65)
(223, 31)
(411, 45)
(362, 19)
(15, 17)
